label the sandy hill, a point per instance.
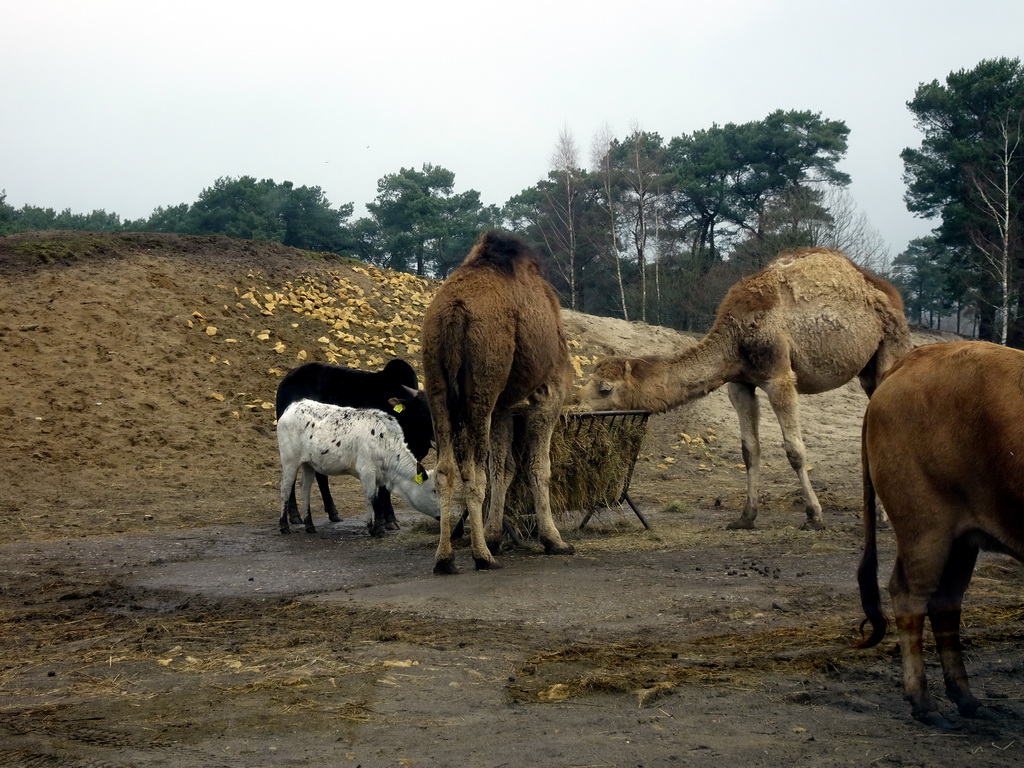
(139, 374)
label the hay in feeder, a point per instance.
(592, 459)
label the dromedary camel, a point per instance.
(492, 338)
(807, 323)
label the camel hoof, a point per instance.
(483, 564)
(445, 567)
(813, 525)
(741, 524)
(559, 549)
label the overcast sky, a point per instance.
(130, 105)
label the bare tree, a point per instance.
(600, 157)
(999, 205)
(640, 163)
(850, 231)
(565, 162)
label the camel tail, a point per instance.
(867, 571)
(501, 251)
(453, 370)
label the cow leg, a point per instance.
(785, 402)
(288, 499)
(378, 514)
(944, 612)
(372, 484)
(915, 578)
(292, 507)
(501, 469)
(307, 486)
(539, 423)
(325, 493)
(744, 401)
(387, 510)
(910, 626)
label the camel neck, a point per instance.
(678, 379)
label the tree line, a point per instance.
(657, 230)
(967, 174)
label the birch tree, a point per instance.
(601, 159)
(998, 203)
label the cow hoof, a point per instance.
(377, 531)
(295, 520)
(310, 529)
(285, 529)
(483, 564)
(741, 524)
(556, 549)
(392, 525)
(335, 518)
(980, 712)
(445, 567)
(812, 525)
(935, 720)
(494, 547)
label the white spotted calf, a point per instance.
(364, 442)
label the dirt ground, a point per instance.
(152, 615)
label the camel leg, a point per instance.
(502, 470)
(744, 401)
(474, 481)
(445, 478)
(540, 422)
(786, 404)
(474, 467)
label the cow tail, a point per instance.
(867, 571)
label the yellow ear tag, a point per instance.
(398, 409)
(420, 478)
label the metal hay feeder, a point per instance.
(593, 455)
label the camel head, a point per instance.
(609, 388)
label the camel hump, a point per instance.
(501, 251)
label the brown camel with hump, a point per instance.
(493, 338)
(807, 323)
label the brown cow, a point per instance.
(943, 447)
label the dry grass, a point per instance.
(739, 661)
(592, 460)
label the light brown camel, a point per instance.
(807, 323)
(492, 338)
